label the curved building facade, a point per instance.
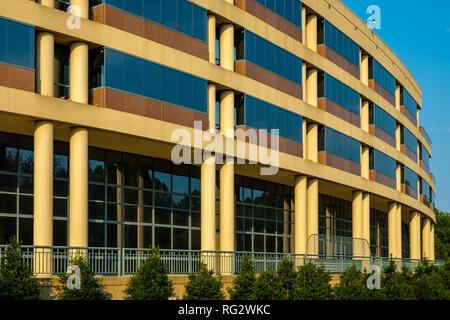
(90, 101)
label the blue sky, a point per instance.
(420, 36)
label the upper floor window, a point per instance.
(409, 140)
(382, 163)
(381, 76)
(382, 119)
(339, 93)
(16, 43)
(339, 144)
(259, 114)
(409, 177)
(131, 74)
(290, 10)
(410, 105)
(339, 42)
(180, 15)
(271, 57)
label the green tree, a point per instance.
(430, 282)
(90, 287)
(151, 281)
(353, 286)
(244, 283)
(313, 284)
(396, 285)
(288, 276)
(269, 286)
(442, 235)
(17, 281)
(203, 285)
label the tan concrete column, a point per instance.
(414, 235)
(304, 136)
(398, 137)
(397, 97)
(311, 87)
(43, 196)
(312, 200)
(426, 238)
(212, 107)
(365, 162)
(398, 177)
(212, 38)
(303, 25)
(365, 115)
(357, 222)
(78, 223)
(84, 7)
(392, 230)
(432, 241)
(300, 223)
(227, 175)
(399, 230)
(311, 142)
(45, 53)
(311, 32)
(365, 231)
(304, 72)
(208, 204)
(364, 69)
(230, 1)
(227, 46)
(79, 89)
(417, 116)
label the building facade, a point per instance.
(89, 102)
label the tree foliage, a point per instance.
(269, 286)
(244, 283)
(17, 281)
(204, 285)
(151, 281)
(90, 287)
(313, 283)
(442, 236)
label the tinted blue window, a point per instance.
(341, 94)
(3, 39)
(409, 178)
(426, 190)
(199, 89)
(141, 77)
(152, 10)
(383, 77)
(199, 18)
(185, 17)
(409, 140)
(384, 164)
(114, 69)
(133, 67)
(409, 102)
(384, 120)
(342, 145)
(426, 159)
(341, 43)
(169, 85)
(17, 43)
(262, 115)
(134, 6)
(279, 7)
(116, 3)
(169, 13)
(270, 4)
(152, 83)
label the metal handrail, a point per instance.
(126, 261)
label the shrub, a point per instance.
(244, 283)
(269, 286)
(204, 285)
(90, 287)
(396, 285)
(17, 281)
(151, 281)
(313, 284)
(353, 286)
(288, 276)
(431, 282)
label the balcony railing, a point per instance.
(120, 261)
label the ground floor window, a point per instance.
(405, 241)
(378, 233)
(264, 216)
